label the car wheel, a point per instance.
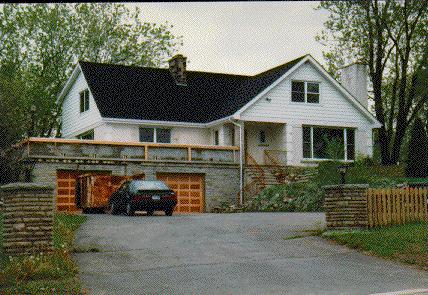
(129, 210)
(150, 212)
(113, 209)
(168, 212)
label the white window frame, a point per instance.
(155, 136)
(260, 137)
(305, 89)
(345, 142)
(217, 137)
(85, 99)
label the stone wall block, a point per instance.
(346, 206)
(28, 218)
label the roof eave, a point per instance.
(77, 70)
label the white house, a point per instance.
(289, 113)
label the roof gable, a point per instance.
(338, 86)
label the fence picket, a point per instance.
(418, 197)
(369, 207)
(396, 206)
(394, 214)
(424, 204)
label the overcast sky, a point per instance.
(241, 37)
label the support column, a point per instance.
(288, 139)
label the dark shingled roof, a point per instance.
(130, 92)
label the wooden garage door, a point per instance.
(189, 189)
(66, 181)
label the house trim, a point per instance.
(342, 89)
(165, 123)
(77, 70)
(237, 114)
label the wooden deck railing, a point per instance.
(75, 149)
(396, 206)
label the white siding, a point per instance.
(334, 109)
(74, 122)
(130, 133)
(186, 135)
(275, 139)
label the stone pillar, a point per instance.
(346, 206)
(28, 218)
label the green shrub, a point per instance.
(311, 199)
(288, 198)
(273, 198)
(327, 173)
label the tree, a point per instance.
(41, 43)
(417, 161)
(390, 37)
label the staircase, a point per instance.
(258, 177)
(269, 174)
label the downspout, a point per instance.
(241, 162)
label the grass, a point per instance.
(405, 243)
(49, 273)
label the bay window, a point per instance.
(328, 143)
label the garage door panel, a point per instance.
(66, 181)
(189, 189)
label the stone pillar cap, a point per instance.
(26, 186)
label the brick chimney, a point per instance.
(354, 78)
(177, 67)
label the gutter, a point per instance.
(241, 161)
(166, 123)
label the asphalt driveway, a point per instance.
(228, 254)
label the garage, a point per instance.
(66, 181)
(189, 188)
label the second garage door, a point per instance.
(189, 189)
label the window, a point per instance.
(161, 135)
(147, 134)
(313, 92)
(298, 91)
(328, 143)
(216, 138)
(350, 143)
(87, 135)
(232, 135)
(262, 137)
(302, 91)
(84, 100)
(307, 142)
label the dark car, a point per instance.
(143, 195)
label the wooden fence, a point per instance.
(396, 206)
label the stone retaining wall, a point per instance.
(221, 180)
(28, 218)
(346, 206)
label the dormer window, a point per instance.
(304, 91)
(84, 100)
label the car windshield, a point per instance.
(147, 185)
